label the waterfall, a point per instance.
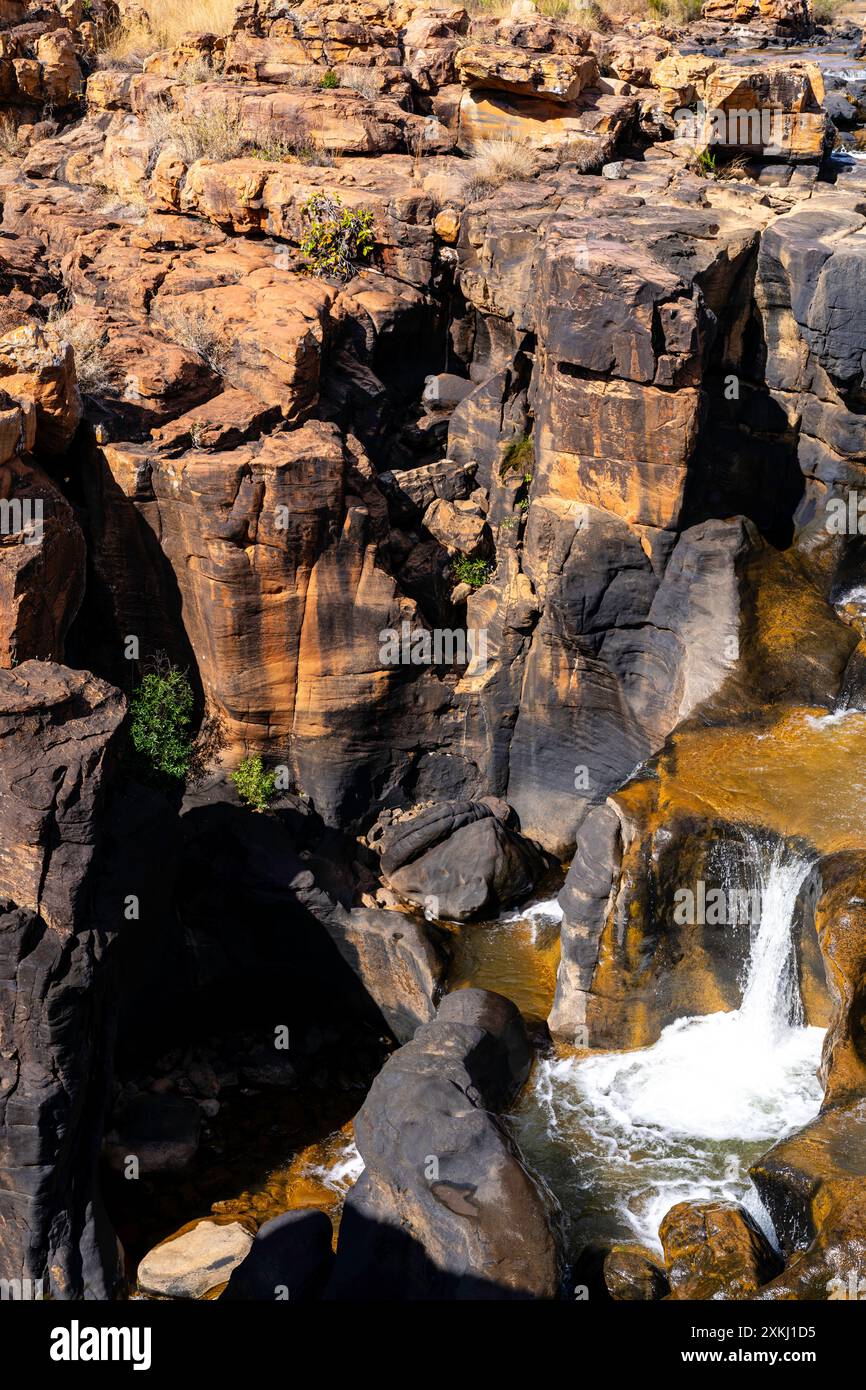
(771, 999)
(684, 1118)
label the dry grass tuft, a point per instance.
(591, 14)
(502, 159)
(129, 43)
(218, 134)
(190, 326)
(197, 69)
(827, 11)
(678, 11)
(360, 80)
(88, 342)
(586, 154)
(221, 133)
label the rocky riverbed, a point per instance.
(432, 649)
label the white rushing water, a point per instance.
(683, 1119)
(342, 1172)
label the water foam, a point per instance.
(684, 1118)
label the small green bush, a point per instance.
(705, 164)
(330, 80)
(255, 786)
(519, 457)
(160, 727)
(337, 238)
(471, 572)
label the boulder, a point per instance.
(398, 960)
(446, 1207)
(527, 72)
(715, 1250)
(290, 1258)
(195, 1261)
(633, 1274)
(473, 870)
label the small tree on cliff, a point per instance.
(161, 736)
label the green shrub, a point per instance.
(255, 786)
(160, 727)
(330, 80)
(337, 238)
(705, 164)
(471, 572)
(519, 457)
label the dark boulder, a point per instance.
(446, 1207)
(291, 1258)
(460, 861)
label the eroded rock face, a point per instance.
(58, 739)
(415, 1231)
(278, 470)
(840, 927)
(41, 567)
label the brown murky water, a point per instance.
(798, 772)
(517, 955)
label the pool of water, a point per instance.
(622, 1137)
(516, 955)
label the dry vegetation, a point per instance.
(168, 21)
(221, 133)
(499, 160)
(190, 326)
(88, 340)
(827, 11)
(360, 80)
(585, 153)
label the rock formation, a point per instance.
(466, 408)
